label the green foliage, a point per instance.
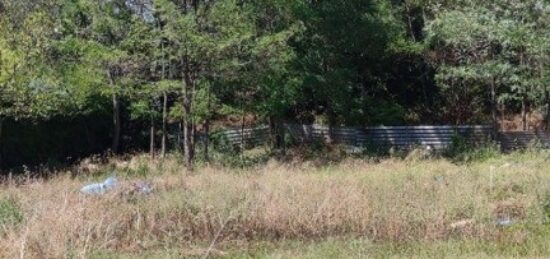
(490, 47)
(546, 207)
(461, 150)
(10, 214)
(356, 62)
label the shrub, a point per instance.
(376, 149)
(10, 214)
(462, 150)
(546, 207)
(221, 143)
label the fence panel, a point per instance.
(437, 137)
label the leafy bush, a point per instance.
(462, 150)
(546, 207)
(221, 143)
(375, 149)
(10, 214)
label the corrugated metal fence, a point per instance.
(524, 139)
(437, 137)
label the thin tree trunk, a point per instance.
(547, 115)
(206, 139)
(116, 116)
(242, 134)
(187, 145)
(546, 93)
(164, 123)
(524, 112)
(331, 122)
(502, 110)
(164, 104)
(207, 124)
(276, 139)
(116, 124)
(188, 132)
(152, 139)
(410, 22)
(523, 100)
(1, 142)
(193, 139)
(180, 137)
(494, 112)
(281, 133)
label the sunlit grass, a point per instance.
(354, 208)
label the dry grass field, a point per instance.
(391, 208)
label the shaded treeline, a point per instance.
(143, 66)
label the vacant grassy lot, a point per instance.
(393, 208)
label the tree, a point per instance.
(204, 38)
(488, 46)
(341, 43)
(96, 38)
(29, 87)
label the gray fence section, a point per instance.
(524, 139)
(437, 137)
(249, 137)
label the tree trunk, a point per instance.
(188, 127)
(206, 139)
(242, 134)
(1, 143)
(164, 104)
(187, 144)
(116, 124)
(207, 124)
(193, 139)
(180, 137)
(276, 137)
(331, 121)
(547, 115)
(281, 134)
(524, 112)
(152, 139)
(164, 123)
(410, 22)
(546, 94)
(494, 112)
(523, 100)
(116, 116)
(502, 109)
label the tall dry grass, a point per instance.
(394, 201)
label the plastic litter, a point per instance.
(143, 187)
(439, 178)
(100, 188)
(504, 222)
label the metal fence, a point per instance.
(437, 137)
(523, 139)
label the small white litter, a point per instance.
(504, 222)
(100, 188)
(462, 224)
(143, 187)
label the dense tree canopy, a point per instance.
(143, 63)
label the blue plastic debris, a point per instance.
(100, 188)
(110, 183)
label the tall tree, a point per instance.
(487, 48)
